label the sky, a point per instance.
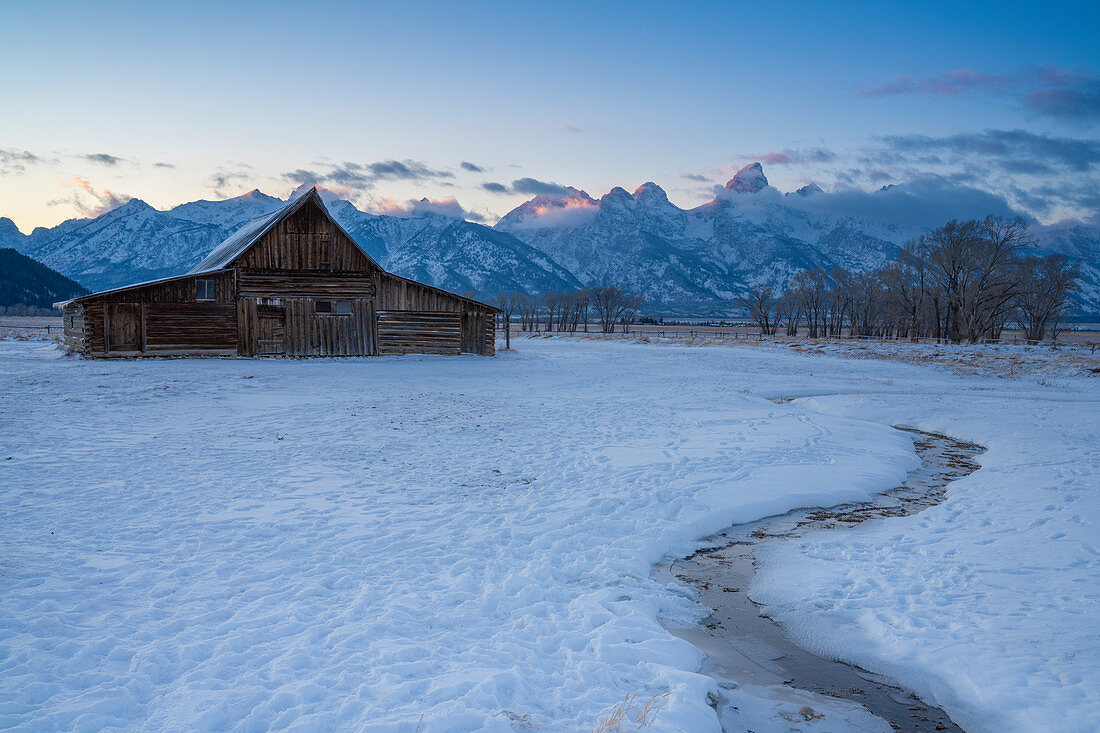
(478, 106)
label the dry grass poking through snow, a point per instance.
(999, 360)
(632, 713)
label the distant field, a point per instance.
(1085, 333)
(30, 328)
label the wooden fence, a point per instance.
(757, 336)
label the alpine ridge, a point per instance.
(684, 261)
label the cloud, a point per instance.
(790, 156)
(103, 159)
(472, 168)
(530, 187)
(355, 178)
(572, 128)
(164, 165)
(414, 208)
(926, 200)
(695, 177)
(535, 187)
(774, 158)
(16, 161)
(407, 170)
(948, 84)
(223, 179)
(1076, 98)
(87, 200)
(1072, 96)
(1010, 150)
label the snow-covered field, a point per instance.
(461, 543)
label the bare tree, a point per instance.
(788, 313)
(961, 282)
(760, 303)
(1042, 297)
(529, 311)
(612, 305)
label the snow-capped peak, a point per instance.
(750, 179)
(649, 194)
(808, 190)
(617, 197)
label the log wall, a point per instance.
(419, 332)
(164, 318)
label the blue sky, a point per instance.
(103, 101)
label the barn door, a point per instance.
(270, 330)
(473, 330)
(124, 327)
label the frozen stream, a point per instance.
(743, 645)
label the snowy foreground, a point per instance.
(461, 543)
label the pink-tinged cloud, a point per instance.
(413, 208)
(101, 202)
(950, 84)
(571, 128)
(775, 158)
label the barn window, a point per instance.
(333, 308)
(204, 290)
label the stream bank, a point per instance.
(744, 646)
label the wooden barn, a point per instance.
(292, 283)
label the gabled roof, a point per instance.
(239, 241)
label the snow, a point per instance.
(988, 603)
(461, 543)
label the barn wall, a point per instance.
(186, 327)
(397, 293)
(307, 240)
(73, 319)
(490, 335)
(292, 327)
(419, 332)
(164, 317)
(296, 284)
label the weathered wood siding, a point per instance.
(255, 284)
(292, 327)
(307, 240)
(399, 294)
(73, 319)
(419, 332)
(164, 318)
(190, 327)
(401, 333)
(490, 335)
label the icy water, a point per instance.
(743, 645)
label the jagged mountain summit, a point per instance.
(691, 259)
(750, 179)
(695, 260)
(699, 260)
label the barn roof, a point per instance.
(239, 241)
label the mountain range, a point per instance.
(683, 261)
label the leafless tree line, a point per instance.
(606, 305)
(963, 283)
